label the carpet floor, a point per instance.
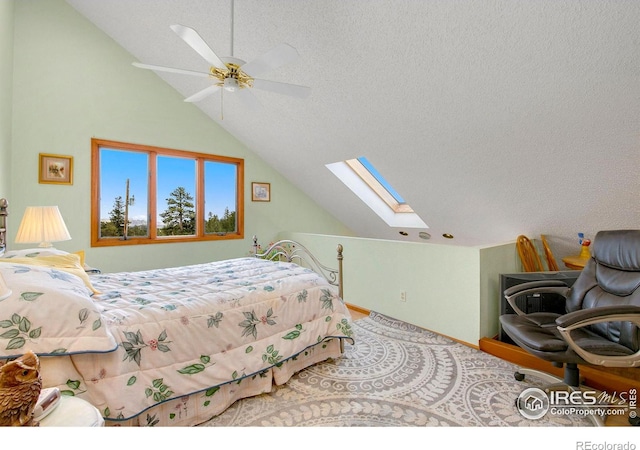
(395, 375)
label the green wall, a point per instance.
(6, 77)
(450, 290)
(494, 260)
(71, 82)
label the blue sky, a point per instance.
(385, 184)
(172, 172)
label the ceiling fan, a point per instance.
(233, 75)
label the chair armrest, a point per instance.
(534, 287)
(590, 316)
(582, 318)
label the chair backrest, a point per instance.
(528, 255)
(551, 260)
(611, 277)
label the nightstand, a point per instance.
(73, 412)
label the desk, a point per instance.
(576, 262)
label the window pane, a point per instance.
(220, 181)
(176, 178)
(117, 168)
(384, 183)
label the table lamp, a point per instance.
(42, 225)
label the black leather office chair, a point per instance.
(601, 326)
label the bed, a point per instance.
(173, 346)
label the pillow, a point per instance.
(35, 252)
(49, 312)
(80, 253)
(67, 262)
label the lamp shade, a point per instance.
(42, 225)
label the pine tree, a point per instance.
(115, 226)
(212, 225)
(228, 221)
(180, 216)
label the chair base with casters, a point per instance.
(554, 383)
(602, 324)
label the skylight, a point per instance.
(380, 179)
(366, 182)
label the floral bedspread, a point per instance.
(189, 329)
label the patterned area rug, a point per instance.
(396, 375)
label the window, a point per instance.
(369, 185)
(370, 175)
(143, 195)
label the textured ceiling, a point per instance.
(491, 118)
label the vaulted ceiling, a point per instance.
(492, 118)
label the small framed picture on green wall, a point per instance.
(55, 169)
(260, 192)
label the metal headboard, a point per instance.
(292, 251)
(3, 224)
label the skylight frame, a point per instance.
(365, 192)
(372, 180)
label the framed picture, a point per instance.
(56, 169)
(261, 192)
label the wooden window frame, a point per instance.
(376, 187)
(153, 153)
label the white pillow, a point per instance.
(32, 252)
(50, 312)
(69, 262)
(36, 252)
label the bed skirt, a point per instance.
(199, 407)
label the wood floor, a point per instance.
(619, 380)
(357, 312)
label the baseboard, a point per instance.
(596, 378)
(358, 309)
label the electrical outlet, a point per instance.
(403, 296)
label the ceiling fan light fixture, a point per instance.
(231, 84)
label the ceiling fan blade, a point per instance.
(195, 41)
(171, 69)
(282, 88)
(203, 93)
(274, 58)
